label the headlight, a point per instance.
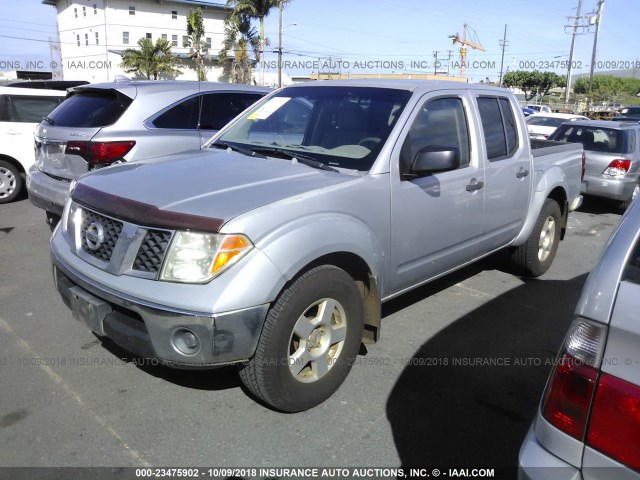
(199, 257)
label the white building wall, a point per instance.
(95, 60)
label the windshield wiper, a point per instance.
(300, 158)
(244, 151)
(49, 120)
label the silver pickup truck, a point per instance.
(274, 246)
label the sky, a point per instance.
(365, 36)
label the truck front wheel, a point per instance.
(535, 257)
(309, 341)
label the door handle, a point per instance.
(474, 185)
(522, 173)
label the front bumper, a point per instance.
(615, 188)
(157, 332)
(46, 192)
(537, 463)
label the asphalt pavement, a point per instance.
(454, 381)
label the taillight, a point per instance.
(584, 165)
(618, 167)
(99, 152)
(614, 428)
(570, 390)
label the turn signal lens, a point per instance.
(232, 248)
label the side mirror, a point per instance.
(434, 159)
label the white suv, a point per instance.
(21, 110)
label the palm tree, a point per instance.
(151, 61)
(195, 32)
(239, 37)
(256, 9)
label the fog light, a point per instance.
(185, 341)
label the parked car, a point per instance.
(539, 108)
(588, 423)
(275, 246)
(20, 112)
(541, 125)
(121, 121)
(628, 114)
(528, 111)
(612, 153)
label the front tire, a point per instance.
(308, 343)
(10, 182)
(534, 258)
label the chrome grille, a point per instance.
(109, 230)
(152, 251)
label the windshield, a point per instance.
(338, 126)
(631, 111)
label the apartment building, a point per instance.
(94, 33)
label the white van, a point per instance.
(21, 110)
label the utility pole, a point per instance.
(575, 26)
(595, 43)
(450, 52)
(280, 44)
(435, 62)
(503, 44)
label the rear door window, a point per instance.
(218, 109)
(25, 108)
(90, 109)
(499, 127)
(183, 116)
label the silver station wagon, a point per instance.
(612, 157)
(588, 423)
(101, 124)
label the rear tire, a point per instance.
(309, 341)
(534, 258)
(625, 204)
(10, 182)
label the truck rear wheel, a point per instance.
(534, 258)
(309, 341)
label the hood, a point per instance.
(199, 190)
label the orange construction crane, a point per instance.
(462, 40)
